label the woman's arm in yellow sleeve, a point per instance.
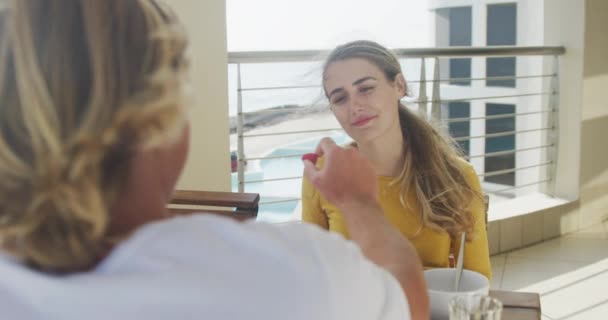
(311, 206)
(477, 253)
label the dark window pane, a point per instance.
(460, 34)
(497, 144)
(500, 67)
(495, 109)
(498, 163)
(460, 26)
(502, 31)
(460, 68)
(460, 128)
(461, 109)
(502, 25)
(502, 124)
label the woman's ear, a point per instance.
(401, 85)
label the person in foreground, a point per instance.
(426, 189)
(93, 137)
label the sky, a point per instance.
(257, 25)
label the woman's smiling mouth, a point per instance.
(359, 122)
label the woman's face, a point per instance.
(363, 100)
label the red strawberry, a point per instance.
(312, 157)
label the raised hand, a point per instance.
(346, 179)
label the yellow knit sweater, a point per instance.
(433, 247)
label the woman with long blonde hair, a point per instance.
(93, 137)
(426, 188)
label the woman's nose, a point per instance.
(356, 104)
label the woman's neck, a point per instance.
(386, 153)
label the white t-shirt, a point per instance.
(206, 267)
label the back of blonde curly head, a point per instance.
(83, 85)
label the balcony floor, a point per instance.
(570, 273)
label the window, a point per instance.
(502, 31)
(503, 143)
(460, 68)
(502, 27)
(460, 128)
(500, 67)
(460, 26)
(460, 35)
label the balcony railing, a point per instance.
(534, 97)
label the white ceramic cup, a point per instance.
(440, 283)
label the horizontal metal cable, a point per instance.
(491, 97)
(501, 134)
(485, 78)
(320, 55)
(408, 81)
(282, 110)
(289, 132)
(276, 157)
(274, 179)
(497, 191)
(487, 174)
(501, 172)
(280, 201)
(489, 51)
(500, 116)
(489, 154)
(520, 186)
(294, 109)
(500, 153)
(278, 88)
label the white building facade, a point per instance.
(508, 94)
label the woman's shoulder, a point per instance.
(465, 166)
(468, 172)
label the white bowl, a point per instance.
(440, 283)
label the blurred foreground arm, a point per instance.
(348, 181)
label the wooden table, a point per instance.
(518, 305)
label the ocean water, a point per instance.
(276, 168)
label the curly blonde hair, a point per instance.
(83, 84)
(433, 168)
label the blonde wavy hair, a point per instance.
(433, 168)
(83, 85)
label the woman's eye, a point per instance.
(338, 100)
(366, 89)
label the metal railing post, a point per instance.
(422, 97)
(240, 120)
(436, 105)
(553, 122)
